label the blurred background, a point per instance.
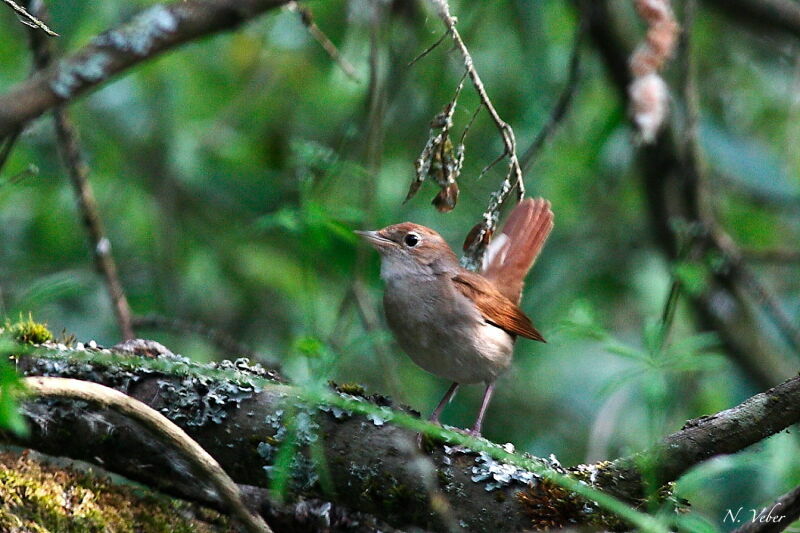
(230, 173)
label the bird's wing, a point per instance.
(495, 308)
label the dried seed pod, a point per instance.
(440, 161)
(475, 239)
(446, 200)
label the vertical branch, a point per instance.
(69, 148)
(674, 192)
(70, 151)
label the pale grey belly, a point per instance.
(445, 335)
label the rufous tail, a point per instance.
(511, 254)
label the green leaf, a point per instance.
(10, 387)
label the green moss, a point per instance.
(43, 499)
(29, 332)
(353, 389)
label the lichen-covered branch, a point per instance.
(373, 466)
(155, 30)
(246, 421)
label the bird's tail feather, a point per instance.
(512, 253)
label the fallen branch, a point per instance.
(158, 424)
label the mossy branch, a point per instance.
(238, 415)
(161, 426)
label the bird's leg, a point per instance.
(439, 408)
(487, 397)
(443, 403)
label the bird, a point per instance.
(454, 323)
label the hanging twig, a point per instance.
(476, 247)
(307, 17)
(69, 148)
(28, 19)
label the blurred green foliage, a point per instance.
(231, 172)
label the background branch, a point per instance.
(154, 31)
(674, 191)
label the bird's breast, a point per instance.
(443, 332)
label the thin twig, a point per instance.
(563, 104)
(473, 256)
(70, 150)
(28, 19)
(430, 49)
(159, 425)
(307, 17)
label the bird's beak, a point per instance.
(375, 238)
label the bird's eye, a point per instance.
(411, 240)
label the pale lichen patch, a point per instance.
(71, 74)
(143, 33)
